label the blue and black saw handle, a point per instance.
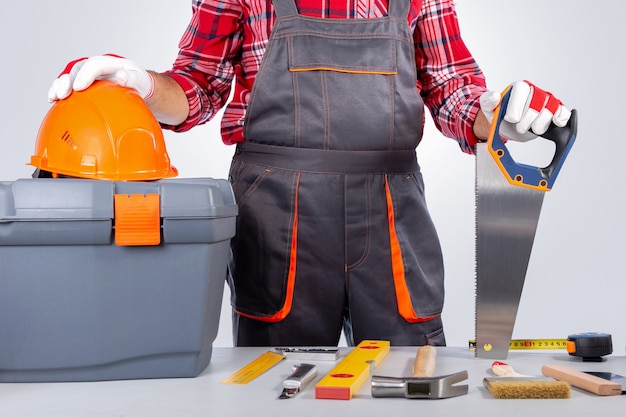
(540, 178)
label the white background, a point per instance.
(575, 280)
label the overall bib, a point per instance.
(333, 230)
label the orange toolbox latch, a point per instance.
(137, 219)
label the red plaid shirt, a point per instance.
(226, 40)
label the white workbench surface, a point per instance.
(205, 396)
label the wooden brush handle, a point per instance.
(582, 380)
(425, 362)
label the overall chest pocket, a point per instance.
(344, 89)
(371, 55)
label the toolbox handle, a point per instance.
(541, 178)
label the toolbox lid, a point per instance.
(69, 211)
(81, 199)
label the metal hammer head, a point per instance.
(415, 387)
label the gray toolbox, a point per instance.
(104, 280)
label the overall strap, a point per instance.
(285, 7)
(398, 8)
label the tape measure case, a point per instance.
(91, 292)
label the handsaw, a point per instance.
(509, 197)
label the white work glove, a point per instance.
(81, 73)
(529, 113)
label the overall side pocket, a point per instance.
(264, 248)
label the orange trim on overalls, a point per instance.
(291, 277)
(347, 71)
(405, 306)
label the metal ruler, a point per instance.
(255, 368)
(531, 344)
(352, 371)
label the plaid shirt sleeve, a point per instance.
(449, 78)
(204, 66)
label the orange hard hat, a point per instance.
(104, 132)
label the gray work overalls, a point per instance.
(333, 230)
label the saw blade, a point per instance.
(506, 221)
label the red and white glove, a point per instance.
(81, 73)
(529, 113)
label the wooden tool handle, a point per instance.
(582, 380)
(425, 361)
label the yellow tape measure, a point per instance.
(254, 368)
(531, 344)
